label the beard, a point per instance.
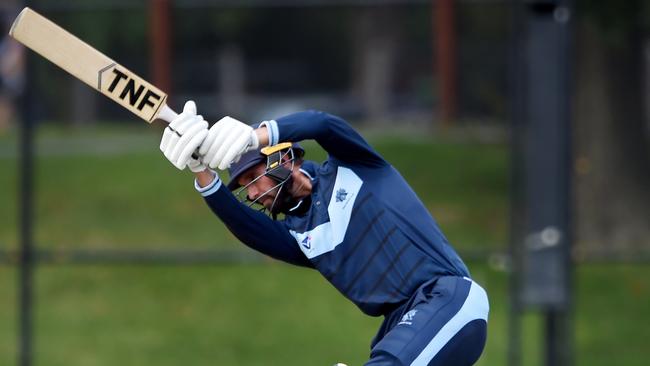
(283, 201)
(288, 204)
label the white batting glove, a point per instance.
(196, 164)
(182, 137)
(227, 140)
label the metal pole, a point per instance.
(546, 262)
(26, 195)
(559, 340)
(517, 183)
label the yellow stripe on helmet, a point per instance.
(268, 150)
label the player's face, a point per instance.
(262, 189)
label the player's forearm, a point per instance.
(262, 136)
(332, 133)
(247, 224)
(205, 178)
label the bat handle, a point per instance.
(167, 114)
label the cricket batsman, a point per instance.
(353, 218)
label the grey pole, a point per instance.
(542, 125)
(517, 183)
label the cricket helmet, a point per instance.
(269, 154)
(280, 161)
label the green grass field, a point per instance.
(111, 188)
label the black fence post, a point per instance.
(542, 121)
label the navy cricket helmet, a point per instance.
(254, 157)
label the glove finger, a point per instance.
(222, 145)
(181, 119)
(209, 140)
(189, 112)
(236, 149)
(176, 142)
(221, 138)
(190, 147)
(183, 124)
(188, 141)
(192, 130)
(188, 123)
(180, 165)
(165, 139)
(236, 130)
(217, 129)
(197, 122)
(189, 107)
(173, 140)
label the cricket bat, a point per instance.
(91, 66)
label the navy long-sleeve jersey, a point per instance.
(366, 231)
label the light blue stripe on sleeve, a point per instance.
(272, 129)
(210, 188)
(276, 132)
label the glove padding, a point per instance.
(183, 136)
(227, 140)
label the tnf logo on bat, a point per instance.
(125, 88)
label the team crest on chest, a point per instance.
(332, 225)
(341, 194)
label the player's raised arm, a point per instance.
(229, 138)
(334, 134)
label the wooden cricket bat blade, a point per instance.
(90, 66)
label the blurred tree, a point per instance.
(160, 29)
(611, 140)
(445, 32)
